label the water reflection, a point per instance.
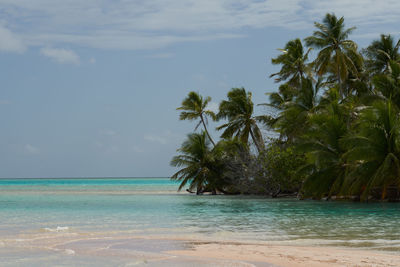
(350, 224)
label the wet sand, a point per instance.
(73, 249)
(64, 249)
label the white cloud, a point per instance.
(360, 12)
(154, 24)
(61, 55)
(9, 42)
(122, 40)
(30, 149)
(92, 60)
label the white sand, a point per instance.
(296, 256)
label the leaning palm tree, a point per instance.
(197, 161)
(294, 63)
(194, 107)
(380, 53)
(331, 39)
(238, 109)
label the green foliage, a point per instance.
(239, 166)
(194, 108)
(326, 169)
(200, 167)
(339, 133)
(238, 110)
(294, 63)
(294, 116)
(388, 85)
(374, 150)
(282, 162)
(380, 53)
(336, 51)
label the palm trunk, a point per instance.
(205, 129)
(255, 141)
(339, 81)
(338, 75)
(301, 80)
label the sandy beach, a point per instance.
(296, 256)
(69, 249)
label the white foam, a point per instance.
(69, 252)
(57, 229)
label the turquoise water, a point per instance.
(60, 208)
(147, 204)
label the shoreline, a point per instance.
(287, 256)
(60, 246)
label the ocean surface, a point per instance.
(83, 221)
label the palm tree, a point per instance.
(293, 61)
(387, 85)
(301, 108)
(276, 105)
(200, 168)
(194, 106)
(294, 110)
(277, 100)
(331, 39)
(326, 168)
(238, 109)
(374, 150)
(381, 52)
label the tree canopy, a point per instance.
(337, 114)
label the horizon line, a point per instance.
(83, 177)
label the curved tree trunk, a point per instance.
(205, 129)
(255, 141)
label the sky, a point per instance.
(90, 88)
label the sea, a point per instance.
(134, 221)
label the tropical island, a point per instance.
(337, 118)
(91, 95)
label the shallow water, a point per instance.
(46, 213)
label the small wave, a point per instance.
(69, 252)
(57, 229)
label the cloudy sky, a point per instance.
(89, 88)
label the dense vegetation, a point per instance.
(337, 117)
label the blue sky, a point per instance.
(89, 88)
